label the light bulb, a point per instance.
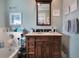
(38, 4)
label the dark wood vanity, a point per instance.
(43, 45)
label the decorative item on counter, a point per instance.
(31, 30)
(25, 31)
(52, 29)
(18, 29)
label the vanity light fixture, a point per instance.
(44, 1)
(39, 4)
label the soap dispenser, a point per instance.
(52, 29)
(31, 30)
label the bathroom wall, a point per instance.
(28, 10)
(73, 39)
(57, 20)
(2, 13)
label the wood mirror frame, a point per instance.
(37, 20)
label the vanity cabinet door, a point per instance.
(55, 46)
(46, 50)
(42, 47)
(30, 47)
(38, 49)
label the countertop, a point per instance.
(44, 34)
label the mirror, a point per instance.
(43, 14)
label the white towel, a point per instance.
(77, 20)
(73, 26)
(69, 26)
(66, 26)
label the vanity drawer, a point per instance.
(30, 39)
(55, 41)
(42, 38)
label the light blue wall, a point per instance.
(74, 46)
(57, 20)
(2, 13)
(74, 38)
(28, 10)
